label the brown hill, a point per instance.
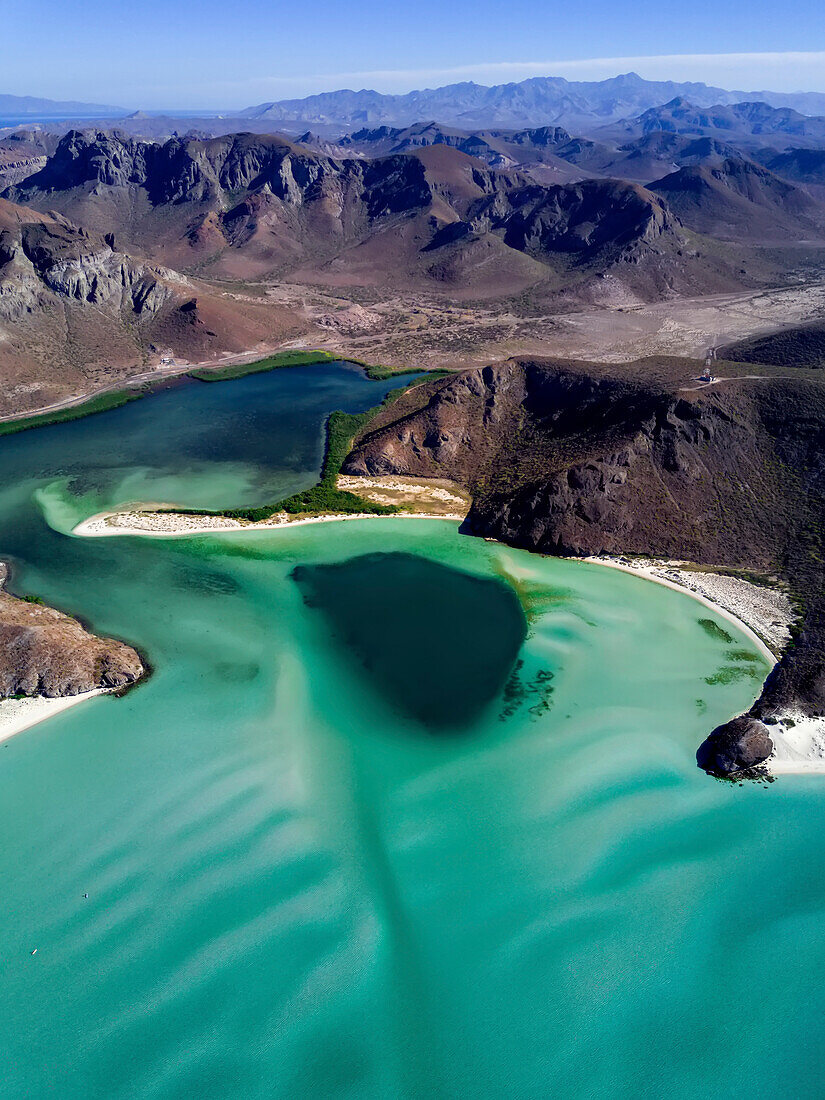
(797, 346)
(749, 124)
(741, 200)
(805, 166)
(43, 652)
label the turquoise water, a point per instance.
(304, 883)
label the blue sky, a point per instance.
(216, 53)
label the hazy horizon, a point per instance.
(187, 56)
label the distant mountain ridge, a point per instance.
(22, 105)
(534, 102)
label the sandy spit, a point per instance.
(171, 525)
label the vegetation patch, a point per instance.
(101, 403)
(714, 630)
(538, 693)
(300, 358)
(323, 497)
(271, 362)
(731, 674)
(743, 655)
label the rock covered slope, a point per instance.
(45, 256)
(43, 652)
(792, 346)
(577, 459)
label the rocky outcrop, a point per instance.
(79, 313)
(736, 749)
(578, 459)
(43, 256)
(44, 652)
(22, 154)
(584, 218)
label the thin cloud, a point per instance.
(796, 65)
(614, 64)
(791, 71)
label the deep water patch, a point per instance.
(436, 642)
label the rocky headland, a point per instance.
(46, 653)
(580, 459)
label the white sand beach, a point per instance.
(17, 715)
(799, 745)
(763, 613)
(172, 525)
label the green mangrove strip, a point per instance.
(324, 496)
(271, 362)
(102, 402)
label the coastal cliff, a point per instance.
(46, 653)
(579, 459)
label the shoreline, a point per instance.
(147, 382)
(166, 525)
(799, 741)
(17, 715)
(651, 571)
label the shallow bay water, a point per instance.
(303, 884)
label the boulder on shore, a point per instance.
(735, 748)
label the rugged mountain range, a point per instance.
(754, 124)
(494, 147)
(539, 101)
(577, 459)
(102, 226)
(642, 149)
(245, 205)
